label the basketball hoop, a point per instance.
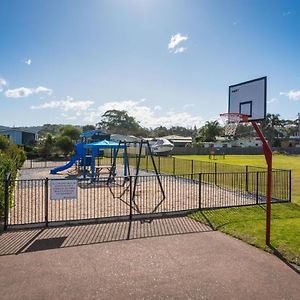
(231, 121)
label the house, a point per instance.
(179, 141)
(223, 142)
(20, 136)
(292, 141)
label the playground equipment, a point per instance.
(95, 148)
(127, 184)
(79, 154)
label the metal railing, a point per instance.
(30, 203)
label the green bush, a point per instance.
(11, 159)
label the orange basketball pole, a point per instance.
(268, 157)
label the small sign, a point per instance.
(63, 189)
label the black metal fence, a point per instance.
(143, 197)
(38, 163)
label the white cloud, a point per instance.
(286, 13)
(25, 92)
(188, 105)
(3, 84)
(179, 50)
(292, 95)
(272, 100)
(176, 39)
(66, 105)
(28, 61)
(147, 116)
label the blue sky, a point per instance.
(166, 62)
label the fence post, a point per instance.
(215, 173)
(200, 184)
(257, 187)
(45, 163)
(174, 165)
(290, 185)
(6, 199)
(246, 178)
(130, 195)
(31, 164)
(46, 201)
(192, 169)
(147, 162)
(158, 163)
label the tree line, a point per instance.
(60, 139)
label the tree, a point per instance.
(70, 131)
(271, 127)
(47, 146)
(118, 121)
(4, 143)
(65, 144)
(88, 127)
(209, 131)
(53, 129)
(244, 130)
(160, 131)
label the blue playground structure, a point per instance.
(95, 150)
(96, 147)
(79, 154)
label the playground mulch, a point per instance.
(99, 200)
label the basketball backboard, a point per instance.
(249, 98)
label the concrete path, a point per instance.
(80, 263)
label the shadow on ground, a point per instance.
(17, 242)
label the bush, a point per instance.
(11, 160)
(65, 144)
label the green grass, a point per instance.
(248, 223)
(290, 162)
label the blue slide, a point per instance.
(79, 152)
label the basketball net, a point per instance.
(231, 122)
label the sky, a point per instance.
(167, 63)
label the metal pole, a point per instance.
(131, 197)
(192, 169)
(158, 163)
(174, 165)
(147, 162)
(6, 200)
(46, 201)
(257, 187)
(247, 179)
(268, 157)
(290, 185)
(215, 173)
(199, 199)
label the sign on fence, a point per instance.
(63, 189)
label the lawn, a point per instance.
(248, 223)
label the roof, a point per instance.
(90, 133)
(178, 138)
(126, 138)
(16, 129)
(104, 145)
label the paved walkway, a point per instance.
(80, 263)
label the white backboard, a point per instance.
(249, 98)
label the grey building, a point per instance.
(19, 137)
